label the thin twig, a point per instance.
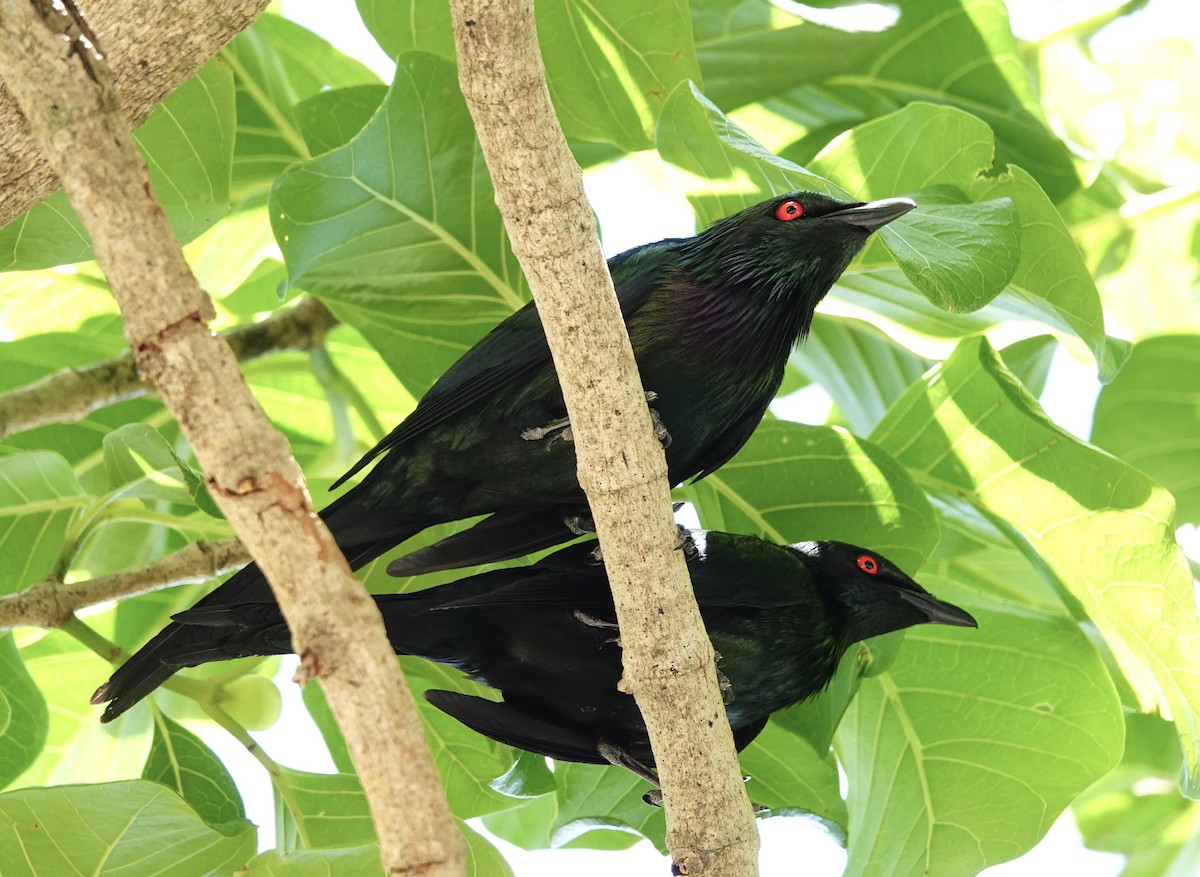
(50, 603)
(73, 393)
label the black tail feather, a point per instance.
(515, 727)
(189, 643)
(502, 536)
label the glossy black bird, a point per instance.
(780, 618)
(711, 318)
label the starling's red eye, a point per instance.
(868, 564)
(789, 210)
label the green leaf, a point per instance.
(1149, 416)
(886, 298)
(397, 231)
(188, 147)
(329, 810)
(1052, 283)
(39, 498)
(276, 65)
(953, 52)
(141, 463)
(315, 702)
(1103, 530)
(601, 807)
(1029, 360)
(33, 302)
(181, 762)
(483, 860)
(793, 482)
(965, 751)
(862, 369)
(750, 50)
(114, 829)
(24, 720)
(78, 748)
(960, 255)
(330, 119)
(1136, 809)
(609, 66)
(787, 774)
(467, 762)
(724, 168)
(360, 861)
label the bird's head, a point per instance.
(798, 243)
(871, 594)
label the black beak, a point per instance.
(936, 611)
(875, 214)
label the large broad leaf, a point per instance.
(188, 147)
(1135, 810)
(961, 255)
(276, 65)
(23, 716)
(39, 497)
(967, 748)
(141, 463)
(860, 367)
(789, 776)
(1149, 416)
(793, 482)
(179, 760)
(398, 232)
(959, 53)
(1101, 528)
(330, 119)
(78, 749)
(887, 299)
(483, 860)
(114, 829)
(1052, 283)
(610, 66)
(594, 807)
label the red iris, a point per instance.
(789, 210)
(868, 564)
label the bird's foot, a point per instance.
(590, 621)
(579, 523)
(618, 756)
(723, 683)
(562, 426)
(584, 618)
(660, 431)
(686, 543)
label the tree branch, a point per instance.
(73, 393)
(668, 658)
(50, 603)
(154, 48)
(66, 94)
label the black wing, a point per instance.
(513, 349)
(515, 727)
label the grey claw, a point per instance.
(537, 433)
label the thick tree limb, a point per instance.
(73, 393)
(668, 658)
(50, 603)
(154, 48)
(66, 94)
